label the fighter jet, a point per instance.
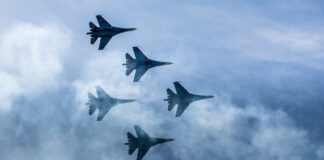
(105, 31)
(143, 142)
(104, 103)
(141, 64)
(183, 98)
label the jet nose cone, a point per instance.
(167, 63)
(168, 140)
(162, 140)
(132, 100)
(129, 100)
(209, 96)
(131, 29)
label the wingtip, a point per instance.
(136, 126)
(135, 48)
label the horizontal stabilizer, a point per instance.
(129, 71)
(129, 57)
(171, 103)
(93, 40)
(128, 64)
(92, 109)
(170, 106)
(91, 103)
(91, 97)
(131, 143)
(92, 25)
(170, 93)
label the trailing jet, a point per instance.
(105, 31)
(104, 103)
(143, 142)
(141, 64)
(183, 98)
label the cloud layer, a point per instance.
(262, 63)
(30, 60)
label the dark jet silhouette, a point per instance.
(143, 142)
(141, 64)
(105, 31)
(104, 103)
(183, 98)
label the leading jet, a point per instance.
(141, 64)
(143, 142)
(104, 103)
(183, 98)
(105, 31)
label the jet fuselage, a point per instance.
(106, 102)
(108, 32)
(187, 99)
(150, 141)
(145, 64)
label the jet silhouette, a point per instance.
(141, 64)
(183, 98)
(143, 142)
(105, 31)
(104, 103)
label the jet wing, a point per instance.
(139, 73)
(102, 112)
(102, 22)
(181, 108)
(139, 55)
(181, 91)
(103, 42)
(142, 151)
(101, 93)
(140, 132)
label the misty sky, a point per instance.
(262, 60)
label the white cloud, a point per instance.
(105, 71)
(253, 132)
(30, 60)
(207, 129)
(210, 126)
(296, 40)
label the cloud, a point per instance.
(30, 60)
(296, 40)
(266, 105)
(228, 132)
(209, 129)
(320, 152)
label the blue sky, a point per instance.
(263, 61)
